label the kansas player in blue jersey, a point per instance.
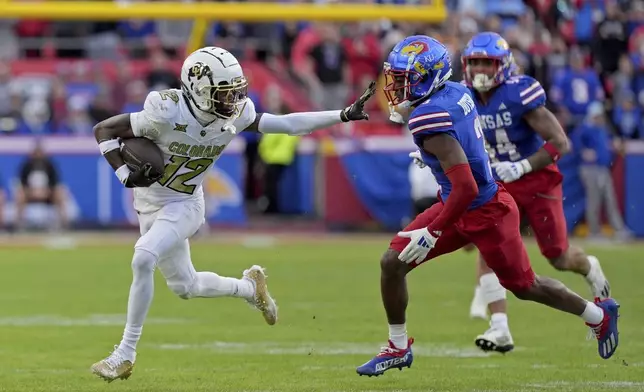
(524, 142)
(473, 208)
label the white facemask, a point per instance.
(399, 113)
(205, 118)
(482, 82)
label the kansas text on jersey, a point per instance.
(508, 135)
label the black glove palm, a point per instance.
(143, 177)
(356, 112)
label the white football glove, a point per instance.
(512, 171)
(421, 241)
(418, 159)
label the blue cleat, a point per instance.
(606, 331)
(390, 357)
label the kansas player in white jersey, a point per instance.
(192, 126)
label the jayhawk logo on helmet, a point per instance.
(414, 48)
(502, 44)
(415, 67)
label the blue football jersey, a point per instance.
(508, 135)
(451, 110)
(576, 90)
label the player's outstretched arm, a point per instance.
(107, 133)
(306, 122)
(454, 163)
(544, 122)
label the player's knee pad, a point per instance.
(143, 262)
(181, 287)
(491, 289)
(181, 290)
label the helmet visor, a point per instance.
(227, 99)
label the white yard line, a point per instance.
(321, 348)
(572, 385)
(49, 320)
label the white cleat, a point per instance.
(262, 299)
(478, 308)
(597, 280)
(495, 339)
(115, 366)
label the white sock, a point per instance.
(478, 298)
(499, 321)
(398, 335)
(139, 301)
(593, 314)
(131, 337)
(210, 285)
(592, 266)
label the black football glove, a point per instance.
(356, 112)
(142, 177)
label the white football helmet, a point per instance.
(213, 82)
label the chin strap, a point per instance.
(394, 116)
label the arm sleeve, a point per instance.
(464, 191)
(298, 123)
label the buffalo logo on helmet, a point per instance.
(198, 70)
(503, 44)
(414, 49)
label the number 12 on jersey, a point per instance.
(178, 183)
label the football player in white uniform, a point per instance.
(191, 126)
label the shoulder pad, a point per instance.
(247, 116)
(429, 118)
(525, 91)
(162, 105)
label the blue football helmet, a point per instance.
(487, 46)
(415, 68)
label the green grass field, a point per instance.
(62, 310)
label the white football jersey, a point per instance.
(189, 149)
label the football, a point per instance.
(140, 150)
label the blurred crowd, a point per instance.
(588, 54)
(580, 50)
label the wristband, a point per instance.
(527, 167)
(552, 151)
(123, 173)
(108, 145)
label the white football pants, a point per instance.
(165, 234)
